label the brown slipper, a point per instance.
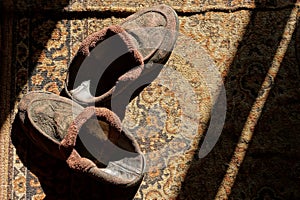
(116, 56)
(90, 140)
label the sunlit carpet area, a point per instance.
(253, 47)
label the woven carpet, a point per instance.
(254, 45)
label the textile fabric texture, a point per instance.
(253, 45)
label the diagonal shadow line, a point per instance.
(273, 154)
(246, 74)
(255, 112)
(1, 55)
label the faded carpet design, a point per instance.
(255, 46)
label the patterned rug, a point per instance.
(252, 45)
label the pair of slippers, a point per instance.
(74, 127)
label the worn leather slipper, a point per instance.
(90, 140)
(117, 55)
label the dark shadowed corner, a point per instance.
(270, 168)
